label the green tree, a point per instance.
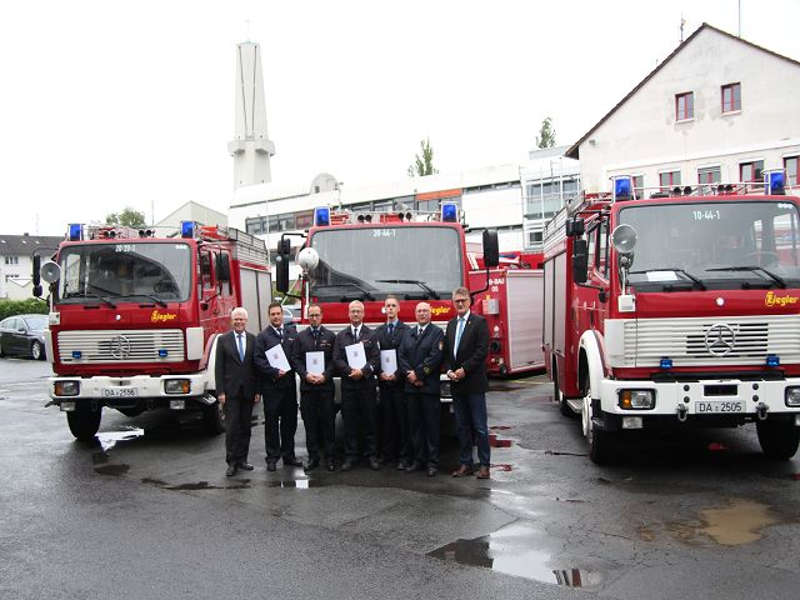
(547, 135)
(127, 218)
(423, 165)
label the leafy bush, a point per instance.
(9, 308)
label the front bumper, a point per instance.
(128, 391)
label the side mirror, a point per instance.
(491, 248)
(282, 273)
(580, 261)
(575, 227)
(37, 277)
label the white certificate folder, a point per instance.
(315, 362)
(389, 361)
(356, 357)
(276, 358)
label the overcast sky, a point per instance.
(108, 104)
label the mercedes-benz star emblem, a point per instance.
(121, 347)
(720, 339)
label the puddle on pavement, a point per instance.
(243, 484)
(109, 439)
(737, 524)
(512, 550)
(112, 469)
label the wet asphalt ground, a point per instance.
(148, 513)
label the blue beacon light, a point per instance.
(187, 229)
(75, 232)
(450, 212)
(775, 184)
(622, 188)
(322, 216)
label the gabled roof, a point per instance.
(25, 245)
(573, 151)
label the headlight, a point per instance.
(637, 399)
(793, 396)
(67, 388)
(177, 386)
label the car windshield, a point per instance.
(36, 322)
(114, 272)
(716, 245)
(412, 262)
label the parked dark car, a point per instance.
(23, 335)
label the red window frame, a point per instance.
(685, 102)
(758, 172)
(668, 185)
(731, 106)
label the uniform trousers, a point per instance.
(358, 412)
(280, 416)
(395, 442)
(319, 414)
(424, 417)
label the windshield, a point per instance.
(412, 262)
(106, 272)
(721, 244)
(37, 323)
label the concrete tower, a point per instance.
(250, 148)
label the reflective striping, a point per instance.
(121, 346)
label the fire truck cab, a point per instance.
(135, 315)
(678, 310)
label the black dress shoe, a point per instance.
(271, 465)
(293, 461)
(231, 471)
(331, 467)
(347, 465)
(401, 466)
(414, 466)
(374, 464)
(432, 471)
(245, 466)
(311, 465)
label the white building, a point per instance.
(192, 211)
(16, 262)
(718, 109)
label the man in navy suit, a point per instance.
(236, 382)
(466, 346)
(420, 363)
(278, 390)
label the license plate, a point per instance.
(704, 407)
(120, 392)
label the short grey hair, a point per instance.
(460, 291)
(356, 303)
(239, 310)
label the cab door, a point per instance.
(599, 275)
(207, 291)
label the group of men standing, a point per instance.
(401, 361)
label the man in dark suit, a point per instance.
(278, 390)
(316, 389)
(236, 382)
(393, 416)
(358, 388)
(420, 362)
(465, 349)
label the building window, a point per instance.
(684, 106)
(708, 175)
(731, 97)
(790, 164)
(12, 260)
(304, 220)
(638, 186)
(751, 171)
(669, 179)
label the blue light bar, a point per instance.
(162, 353)
(76, 354)
(775, 183)
(75, 232)
(449, 212)
(622, 188)
(187, 229)
(773, 360)
(322, 216)
(666, 363)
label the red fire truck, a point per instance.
(416, 257)
(135, 315)
(677, 310)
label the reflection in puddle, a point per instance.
(509, 550)
(739, 523)
(112, 469)
(109, 439)
(300, 484)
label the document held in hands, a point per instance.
(315, 362)
(389, 361)
(276, 358)
(356, 357)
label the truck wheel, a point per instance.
(778, 439)
(602, 444)
(37, 351)
(214, 419)
(558, 396)
(84, 423)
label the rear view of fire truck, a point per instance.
(135, 315)
(679, 310)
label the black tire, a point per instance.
(84, 423)
(37, 350)
(602, 444)
(214, 419)
(778, 439)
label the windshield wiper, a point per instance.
(155, 299)
(421, 284)
(698, 282)
(367, 295)
(90, 295)
(781, 283)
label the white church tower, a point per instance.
(251, 148)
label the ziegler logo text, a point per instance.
(772, 300)
(157, 317)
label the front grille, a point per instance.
(121, 346)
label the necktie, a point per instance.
(280, 333)
(241, 347)
(355, 334)
(315, 335)
(391, 329)
(459, 331)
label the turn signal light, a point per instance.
(637, 399)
